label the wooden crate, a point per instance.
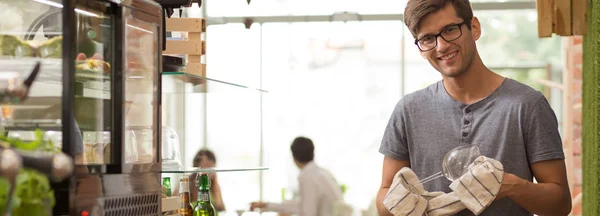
(191, 44)
(170, 204)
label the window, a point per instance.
(527, 76)
(510, 37)
(233, 54)
(233, 133)
(229, 115)
(219, 8)
(338, 93)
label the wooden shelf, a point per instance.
(562, 17)
(191, 43)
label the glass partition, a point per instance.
(93, 81)
(141, 94)
(28, 36)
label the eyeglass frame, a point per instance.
(459, 25)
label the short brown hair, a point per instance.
(416, 10)
(303, 149)
(209, 155)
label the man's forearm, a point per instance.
(286, 207)
(541, 198)
(381, 209)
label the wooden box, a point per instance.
(191, 44)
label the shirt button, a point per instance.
(467, 122)
(467, 110)
(465, 134)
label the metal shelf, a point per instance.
(210, 170)
(216, 85)
(51, 69)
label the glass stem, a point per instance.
(430, 178)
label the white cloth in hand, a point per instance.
(404, 199)
(407, 197)
(443, 203)
(478, 188)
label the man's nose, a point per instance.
(442, 45)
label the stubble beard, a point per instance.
(465, 65)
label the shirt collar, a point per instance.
(309, 166)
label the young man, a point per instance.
(319, 191)
(472, 105)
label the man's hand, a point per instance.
(550, 196)
(404, 193)
(255, 205)
(509, 183)
(480, 185)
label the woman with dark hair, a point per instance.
(206, 159)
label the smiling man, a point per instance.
(472, 105)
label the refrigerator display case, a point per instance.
(97, 96)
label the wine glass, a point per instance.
(131, 147)
(455, 164)
(240, 212)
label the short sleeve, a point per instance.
(393, 143)
(543, 141)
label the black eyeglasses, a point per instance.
(450, 33)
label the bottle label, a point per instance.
(205, 197)
(184, 197)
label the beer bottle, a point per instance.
(167, 184)
(184, 197)
(204, 207)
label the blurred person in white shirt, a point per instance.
(319, 191)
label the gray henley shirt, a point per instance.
(514, 125)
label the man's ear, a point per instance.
(475, 28)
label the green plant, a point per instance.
(33, 194)
(591, 114)
(344, 188)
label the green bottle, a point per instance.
(204, 207)
(167, 183)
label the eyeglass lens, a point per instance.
(449, 34)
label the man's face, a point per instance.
(205, 162)
(450, 58)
